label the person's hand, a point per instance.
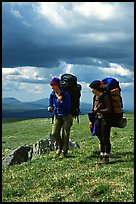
(90, 124)
(95, 109)
(49, 109)
(59, 97)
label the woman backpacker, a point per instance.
(102, 111)
(60, 103)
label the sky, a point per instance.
(91, 40)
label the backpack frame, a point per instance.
(112, 88)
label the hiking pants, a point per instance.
(61, 131)
(103, 133)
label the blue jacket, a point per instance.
(60, 109)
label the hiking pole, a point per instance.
(77, 119)
(52, 119)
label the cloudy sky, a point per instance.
(91, 40)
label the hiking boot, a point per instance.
(105, 160)
(62, 155)
(58, 152)
(100, 159)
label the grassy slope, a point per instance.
(77, 178)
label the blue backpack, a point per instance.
(110, 83)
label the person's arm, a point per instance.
(50, 104)
(107, 105)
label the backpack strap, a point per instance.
(93, 102)
(101, 99)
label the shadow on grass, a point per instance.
(58, 158)
(70, 156)
(118, 155)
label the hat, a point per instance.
(97, 84)
(55, 80)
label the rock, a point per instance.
(18, 155)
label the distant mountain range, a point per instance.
(12, 108)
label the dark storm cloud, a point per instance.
(28, 39)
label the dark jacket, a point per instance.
(102, 104)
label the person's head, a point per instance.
(55, 83)
(96, 86)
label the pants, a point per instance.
(103, 133)
(63, 123)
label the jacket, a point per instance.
(60, 109)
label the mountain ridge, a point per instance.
(14, 108)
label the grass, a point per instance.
(77, 178)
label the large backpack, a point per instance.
(69, 83)
(112, 87)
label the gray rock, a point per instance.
(73, 145)
(18, 155)
(41, 147)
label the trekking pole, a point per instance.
(52, 119)
(77, 119)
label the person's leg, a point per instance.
(57, 124)
(98, 124)
(106, 142)
(67, 123)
